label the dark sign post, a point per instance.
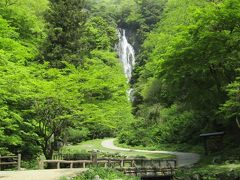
(207, 136)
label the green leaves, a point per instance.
(40, 103)
(99, 34)
(231, 108)
(65, 26)
(190, 59)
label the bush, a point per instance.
(77, 135)
(176, 127)
(104, 174)
(83, 155)
(137, 134)
(212, 172)
(30, 164)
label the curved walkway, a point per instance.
(48, 174)
(183, 159)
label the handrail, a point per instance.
(172, 163)
(16, 160)
(6, 157)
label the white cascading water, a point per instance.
(127, 56)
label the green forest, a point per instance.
(62, 81)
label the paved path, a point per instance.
(183, 159)
(50, 174)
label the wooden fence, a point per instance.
(62, 156)
(128, 166)
(10, 160)
(145, 171)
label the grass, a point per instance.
(210, 172)
(224, 164)
(104, 174)
(96, 145)
(165, 147)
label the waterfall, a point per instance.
(127, 56)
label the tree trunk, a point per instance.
(48, 149)
(48, 153)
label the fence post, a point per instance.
(58, 165)
(122, 163)
(94, 158)
(19, 162)
(175, 163)
(159, 163)
(41, 163)
(132, 163)
(142, 163)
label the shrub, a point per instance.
(104, 174)
(137, 134)
(176, 126)
(77, 135)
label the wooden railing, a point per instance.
(10, 160)
(81, 163)
(143, 171)
(114, 163)
(62, 156)
(141, 167)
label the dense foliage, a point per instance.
(190, 62)
(21, 33)
(65, 21)
(61, 80)
(103, 173)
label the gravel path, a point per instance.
(50, 174)
(183, 159)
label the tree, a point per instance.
(65, 24)
(231, 108)
(98, 34)
(195, 68)
(51, 120)
(190, 58)
(20, 31)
